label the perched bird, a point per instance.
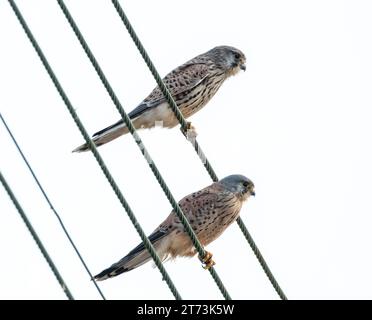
(209, 211)
(191, 85)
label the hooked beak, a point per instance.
(252, 192)
(243, 67)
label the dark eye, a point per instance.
(237, 55)
(245, 183)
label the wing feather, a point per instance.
(180, 81)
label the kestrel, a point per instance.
(191, 85)
(209, 211)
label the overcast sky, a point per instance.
(297, 122)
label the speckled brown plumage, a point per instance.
(209, 211)
(191, 85)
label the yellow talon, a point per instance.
(207, 260)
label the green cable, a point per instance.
(51, 205)
(36, 238)
(195, 144)
(142, 147)
(96, 154)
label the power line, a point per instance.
(36, 238)
(194, 142)
(51, 205)
(140, 144)
(96, 154)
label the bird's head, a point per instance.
(230, 59)
(239, 185)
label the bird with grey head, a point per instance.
(209, 211)
(229, 59)
(191, 85)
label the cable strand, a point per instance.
(195, 144)
(51, 206)
(36, 238)
(142, 147)
(96, 154)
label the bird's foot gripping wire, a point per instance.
(190, 131)
(207, 260)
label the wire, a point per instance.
(51, 205)
(262, 261)
(36, 238)
(96, 154)
(197, 148)
(145, 153)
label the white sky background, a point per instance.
(298, 123)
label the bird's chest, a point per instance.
(213, 221)
(192, 101)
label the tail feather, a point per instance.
(126, 264)
(137, 257)
(106, 135)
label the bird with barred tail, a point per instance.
(209, 211)
(191, 85)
